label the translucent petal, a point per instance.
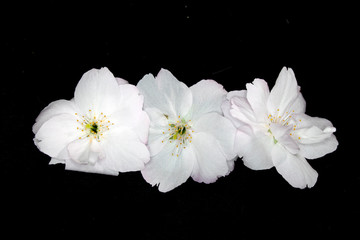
(166, 93)
(168, 170)
(294, 168)
(55, 134)
(208, 96)
(210, 162)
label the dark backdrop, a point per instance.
(47, 48)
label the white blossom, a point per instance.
(188, 134)
(103, 129)
(273, 129)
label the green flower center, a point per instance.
(178, 133)
(93, 127)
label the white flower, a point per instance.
(273, 129)
(103, 129)
(188, 135)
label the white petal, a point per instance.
(305, 121)
(97, 90)
(257, 95)
(317, 150)
(226, 111)
(282, 135)
(55, 134)
(90, 168)
(294, 168)
(241, 110)
(221, 129)
(129, 111)
(166, 93)
(53, 109)
(142, 127)
(123, 150)
(158, 126)
(129, 94)
(56, 161)
(210, 162)
(236, 93)
(157, 118)
(85, 151)
(208, 96)
(255, 149)
(121, 81)
(168, 170)
(226, 106)
(315, 136)
(285, 94)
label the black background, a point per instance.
(47, 48)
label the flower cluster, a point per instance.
(171, 132)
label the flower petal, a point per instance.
(97, 90)
(221, 129)
(123, 150)
(210, 162)
(53, 109)
(56, 161)
(255, 149)
(84, 151)
(55, 134)
(129, 111)
(157, 118)
(166, 93)
(241, 110)
(282, 135)
(315, 136)
(285, 94)
(90, 168)
(226, 106)
(142, 127)
(208, 96)
(320, 149)
(294, 168)
(121, 81)
(167, 170)
(257, 95)
(158, 125)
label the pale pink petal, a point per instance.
(121, 81)
(166, 93)
(55, 134)
(210, 162)
(142, 127)
(282, 136)
(221, 129)
(226, 106)
(167, 169)
(320, 149)
(97, 90)
(257, 95)
(294, 168)
(56, 161)
(284, 96)
(89, 168)
(208, 96)
(123, 150)
(315, 136)
(85, 150)
(254, 148)
(241, 110)
(53, 109)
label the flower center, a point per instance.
(93, 125)
(286, 120)
(179, 134)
